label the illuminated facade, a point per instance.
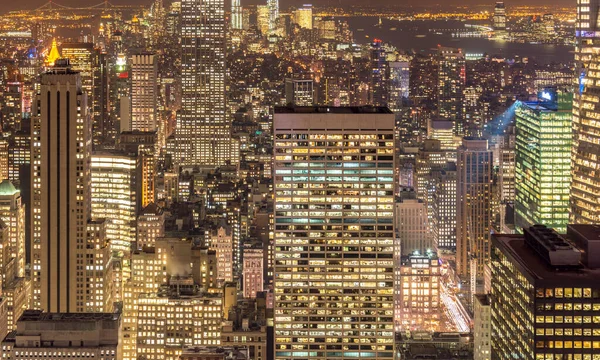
(451, 82)
(237, 22)
(418, 304)
(4, 159)
(543, 162)
(147, 274)
(412, 228)
(443, 131)
(299, 92)
(114, 190)
(144, 92)
(443, 215)
(61, 184)
(41, 335)
(544, 301)
(273, 6)
(304, 17)
(334, 233)
(203, 132)
(221, 241)
(166, 324)
(150, 226)
(12, 212)
(482, 328)
(499, 16)
(378, 77)
(474, 211)
(430, 158)
(585, 186)
(399, 84)
(253, 272)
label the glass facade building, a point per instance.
(543, 162)
(334, 233)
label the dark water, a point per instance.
(405, 38)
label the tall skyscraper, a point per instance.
(334, 215)
(585, 186)
(379, 78)
(544, 295)
(451, 82)
(237, 21)
(61, 143)
(304, 17)
(499, 16)
(203, 133)
(474, 211)
(273, 6)
(543, 161)
(144, 96)
(412, 227)
(399, 84)
(442, 186)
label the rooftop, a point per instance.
(332, 109)
(7, 188)
(38, 315)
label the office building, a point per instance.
(348, 218)
(12, 212)
(418, 304)
(61, 184)
(144, 93)
(150, 226)
(114, 196)
(237, 22)
(262, 19)
(273, 6)
(203, 132)
(499, 16)
(4, 159)
(91, 64)
(299, 92)
(19, 158)
(482, 328)
(585, 185)
(543, 161)
(544, 298)
(474, 212)
(443, 130)
(430, 157)
(443, 209)
(379, 78)
(506, 163)
(412, 228)
(399, 84)
(451, 83)
(164, 332)
(221, 241)
(253, 274)
(12, 109)
(303, 17)
(42, 335)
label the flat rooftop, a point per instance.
(538, 270)
(37, 315)
(332, 110)
(590, 232)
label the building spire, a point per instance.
(53, 55)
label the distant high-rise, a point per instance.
(237, 21)
(253, 272)
(412, 225)
(442, 185)
(474, 211)
(543, 161)
(61, 185)
(273, 6)
(304, 17)
(379, 82)
(203, 133)
(144, 97)
(399, 84)
(585, 186)
(451, 82)
(499, 16)
(331, 226)
(299, 92)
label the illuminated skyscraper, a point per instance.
(442, 186)
(399, 84)
(203, 133)
(253, 272)
(334, 232)
(543, 161)
(379, 75)
(237, 22)
(114, 196)
(499, 16)
(12, 211)
(4, 159)
(474, 211)
(273, 6)
(451, 82)
(62, 246)
(304, 17)
(144, 112)
(299, 92)
(585, 186)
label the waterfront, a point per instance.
(419, 37)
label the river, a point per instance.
(416, 36)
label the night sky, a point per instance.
(7, 5)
